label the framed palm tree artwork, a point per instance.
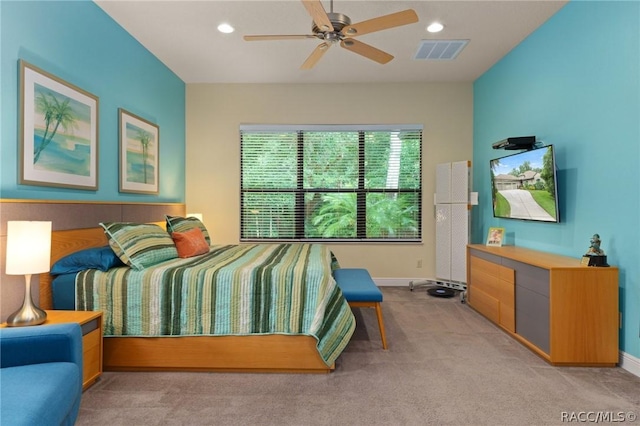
(139, 149)
(58, 131)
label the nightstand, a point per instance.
(91, 323)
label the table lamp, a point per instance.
(28, 252)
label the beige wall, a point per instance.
(215, 111)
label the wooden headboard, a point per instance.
(75, 226)
(67, 242)
(62, 244)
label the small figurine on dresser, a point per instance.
(595, 255)
(594, 248)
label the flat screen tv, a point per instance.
(523, 186)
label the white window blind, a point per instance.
(337, 183)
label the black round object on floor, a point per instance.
(441, 292)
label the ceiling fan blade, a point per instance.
(277, 37)
(367, 51)
(380, 23)
(318, 14)
(315, 56)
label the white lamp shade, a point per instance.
(28, 247)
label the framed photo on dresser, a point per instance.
(495, 237)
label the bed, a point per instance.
(249, 307)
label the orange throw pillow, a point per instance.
(190, 243)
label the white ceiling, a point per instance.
(183, 35)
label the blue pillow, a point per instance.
(101, 258)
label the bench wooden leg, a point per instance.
(378, 307)
(383, 335)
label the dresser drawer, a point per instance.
(484, 303)
(481, 265)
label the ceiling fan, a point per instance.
(335, 28)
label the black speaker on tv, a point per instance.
(520, 142)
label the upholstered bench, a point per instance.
(361, 292)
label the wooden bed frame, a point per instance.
(260, 353)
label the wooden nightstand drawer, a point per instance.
(91, 324)
(92, 357)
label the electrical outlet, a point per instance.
(419, 265)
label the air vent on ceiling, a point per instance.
(439, 50)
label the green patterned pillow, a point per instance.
(183, 224)
(140, 245)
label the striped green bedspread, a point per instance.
(232, 290)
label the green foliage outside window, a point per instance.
(316, 185)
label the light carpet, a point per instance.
(446, 365)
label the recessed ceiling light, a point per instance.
(435, 27)
(225, 28)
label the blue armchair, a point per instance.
(40, 374)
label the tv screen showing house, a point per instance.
(523, 186)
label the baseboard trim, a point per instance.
(630, 363)
(404, 282)
(395, 282)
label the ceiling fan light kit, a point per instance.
(334, 28)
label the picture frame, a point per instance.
(495, 237)
(139, 142)
(58, 141)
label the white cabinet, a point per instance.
(452, 221)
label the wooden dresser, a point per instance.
(565, 312)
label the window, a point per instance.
(337, 183)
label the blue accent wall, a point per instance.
(79, 43)
(573, 83)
